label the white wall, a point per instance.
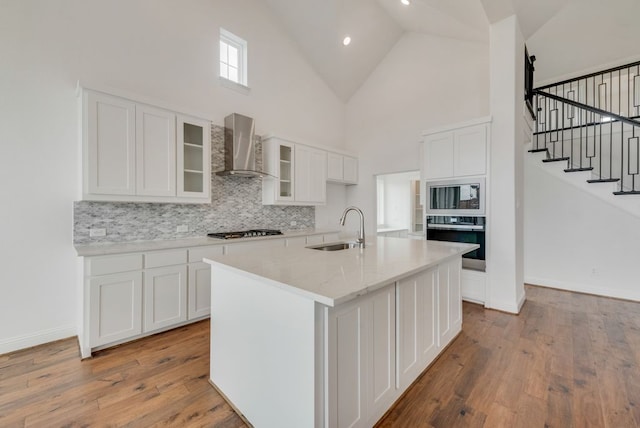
(424, 81)
(328, 216)
(397, 199)
(584, 35)
(162, 49)
(576, 241)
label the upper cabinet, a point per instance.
(155, 151)
(141, 153)
(342, 168)
(456, 152)
(297, 173)
(109, 150)
(310, 175)
(194, 157)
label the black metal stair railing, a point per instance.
(591, 122)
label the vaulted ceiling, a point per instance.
(555, 31)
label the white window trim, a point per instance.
(240, 44)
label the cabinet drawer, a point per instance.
(113, 264)
(296, 241)
(314, 239)
(243, 247)
(197, 254)
(165, 258)
(330, 237)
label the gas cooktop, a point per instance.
(245, 234)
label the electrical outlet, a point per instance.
(94, 233)
(294, 223)
(182, 228)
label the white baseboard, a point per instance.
(39, 338)
(581, 288)
(504, 306)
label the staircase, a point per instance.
(590, 126)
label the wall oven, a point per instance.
(461, 197)
(467, 229)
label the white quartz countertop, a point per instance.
(335, 277)
(89, 250)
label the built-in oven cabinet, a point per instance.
(458, 152)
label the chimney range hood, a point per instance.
(239, 147)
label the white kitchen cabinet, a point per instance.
(155, 151)
(473, 285)
(342, 168)
(417, 325)
(130, 295)
(315, 240)
(193, 157)
(350, 170)
(455, 153)
(279, 162)
(297, 173)
(109, 154)
(361, 361)
(296, 241)
(199, 281)
(310, 175)
(115, 307)
(449, 301)
(165, 297)
(330, 237)
(245, 247)
(399, 233)
(199, 290)
(135, 152)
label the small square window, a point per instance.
(233, 58)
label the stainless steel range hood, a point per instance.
(239, 147)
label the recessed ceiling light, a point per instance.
(346, 40)
(405, 2)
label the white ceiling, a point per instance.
(555, 31)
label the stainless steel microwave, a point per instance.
(456, 197)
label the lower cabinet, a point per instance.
(199, 290)
(165, 297)
(379, 343)
(473, 286)
(115, 307)
(450, 301)
(362, 359)
(417, 298)
(128, 295)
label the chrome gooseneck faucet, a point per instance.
(360, 239)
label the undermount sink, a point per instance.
(335, 246)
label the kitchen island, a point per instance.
(308, 338)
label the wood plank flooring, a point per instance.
(568, 360)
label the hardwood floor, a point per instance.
(159, 381)
(567, 360)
